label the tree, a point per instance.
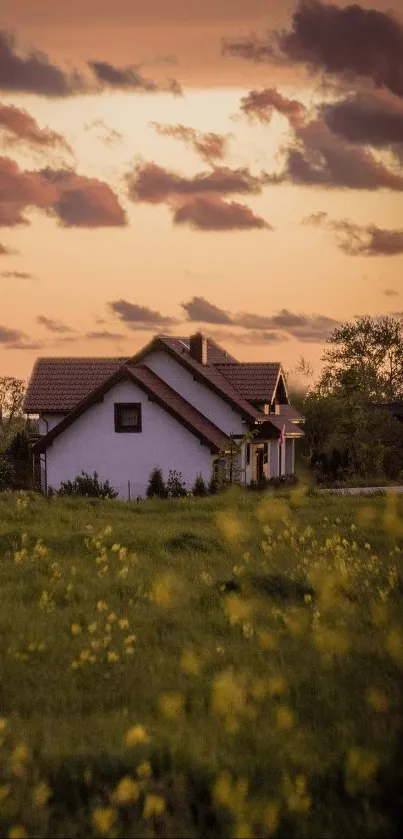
(369, 351)
(229, 470)
(12, 392)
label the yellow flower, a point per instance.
(20, 754)
(3, 724)
(144, 770)
(228, 695)
(115, 548)
(75, 629)
(171, 704)
(112, 656)
(102, 606)
(230, 527)
(190, 663)
(17, 832)
(103, 818)
(136, 735)
(271, 817)
(126, 791)
(130, 639)
(92, 628)
(360, 768)
(124, 623)
(266, 640)
(154, 805)
(40, 794)
(243, 831)
(4, 791)
(276, 685)
(284, 718)
(377, 700)
(112, 617)
(236, 609)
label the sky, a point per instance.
(173, 166)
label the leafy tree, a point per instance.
(12, 392)
(156, 485)
(7, 474)
(199, 486)
(321, 418)
(369, 351)
(88, 485)
(229, 470)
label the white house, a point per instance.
(176, 405)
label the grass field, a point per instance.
(222, 667)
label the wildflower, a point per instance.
(92, 628)
(124, 623)
(75, 629)
(360, 768)
(230, 527)
(17, 832)
(144, 770)
(122, 553)
(112, 617)
(271, 817)
(112, 656)
(154, 806)
(136, 735)
(40, 794)
(102, 606)
(171, 704)
(103, 818)
(115, 548)
(4, 791)
(126, 791)
(236, 609)
(3, 724)
(266, 640)
(228, 694)
(243, 831)
(276, 685)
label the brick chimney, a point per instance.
(198, 347)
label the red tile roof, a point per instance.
(255, 381)
(291, 413)
(59, 384)
(160, 393)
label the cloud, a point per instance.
(109, 137)
(199, 309)
(15, 339)
(130, 78)
(74, 199)
(360, 240)
(372, 117)
(104, 336)
(6, 251)
(216, 214)
(211, 147)
(390, 292)
(347, 42)
(249, 338)
(315, 157)
(260, 104)
(155, 185)
(17, 275)
(33, 72)
(53, 325)
(139, 317)
(18, 126)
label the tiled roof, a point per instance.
(289, 427)
(255, 381)
(291, 413)
(58, 384)
(160, 393)
(215, 353)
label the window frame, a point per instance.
(127, 429)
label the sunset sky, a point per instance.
(171, 165)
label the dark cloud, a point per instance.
(74, 199)
(260, 104)
(215, 214)
(155, 185)
(360, 240)
(130, 78)
(108, 136)
(373, 117)
(18, 126)
(390, 292)
(33, 72)
(211, 147)
(104, 336)
(316, 157)
(6, 251)
(349, 41)
(53, 325)
(139, 317)
(17, 275)
(249, 338)
(15, 339)
(201, 310)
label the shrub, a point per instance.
(176, 487)
(156, 485)
(214, 485)
(199, 486)
(7, 474)
(88, 485)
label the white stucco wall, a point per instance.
(91, 444)
(207, 402)
(48, 421)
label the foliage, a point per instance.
(12, 392)
(7, 474)
(234, 671)
(88, 485)
(199, 486)
(156, 485)
(176, 487)
(229, 469)
(278, 482)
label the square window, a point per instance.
(128, 417)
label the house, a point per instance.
(176, 404)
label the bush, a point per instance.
(7, 474)
(156, 485)
(276, 482)
(214, 485)
(199, 486)
(176, 487)
(88, 485)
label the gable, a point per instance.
(57, 385)
(255, 381)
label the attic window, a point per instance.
(127, 417)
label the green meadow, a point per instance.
(221, 667)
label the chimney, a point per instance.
(198, 347)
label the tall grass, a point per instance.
(228, 666)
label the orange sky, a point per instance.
(58, 276)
